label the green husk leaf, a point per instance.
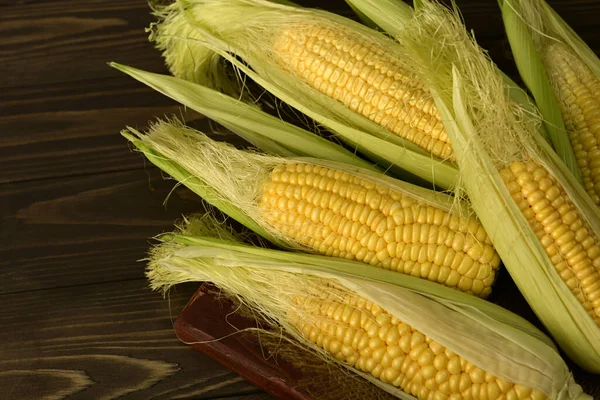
(363, 17)
(533, 73)
(389, 15)
(488, 134)
(266, 132)
(236, 29)
(485, 334)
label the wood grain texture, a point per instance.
(63, 105)
(69, 143)
(78, 207)
(54, 131)
(69, 42)
(60, 232)
(104, 341)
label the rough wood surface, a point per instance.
(89, 229)
(78, 207)
(104, 341)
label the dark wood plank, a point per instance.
(92, 94)
(53, 130)
(53, 144)
(64, 232)
(57, 42)
(106, 341)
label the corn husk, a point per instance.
(231, 179)
(388, 15)
(488, 133)
(265, 132)
(267, 281)
(239, 30)
(529, 25)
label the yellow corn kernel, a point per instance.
(363, 76)
(410, 237)
(577, 90)
(396, 353)
(573, 248)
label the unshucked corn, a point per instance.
(365, 336)
(430, 343)
(336, 210)
(343, 75)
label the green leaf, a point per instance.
(263, 130)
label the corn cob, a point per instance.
(367, 337)
(432, 342)
(577, 90)
(569, 242)
(540, 221)
(334, 213)
(563, 75)
(336, 210)
(364, 77)
(341, 74)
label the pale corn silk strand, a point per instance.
(576, 88)
(326, 315)
(320, 54)
(522, 169)
(349, 214)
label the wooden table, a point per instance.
(78, 207)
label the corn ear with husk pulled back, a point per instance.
(391, 15)
(412, 338)
(336, 209)
(563, 74)
(544, 226)
(357, 87)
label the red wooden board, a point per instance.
(209, 324)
